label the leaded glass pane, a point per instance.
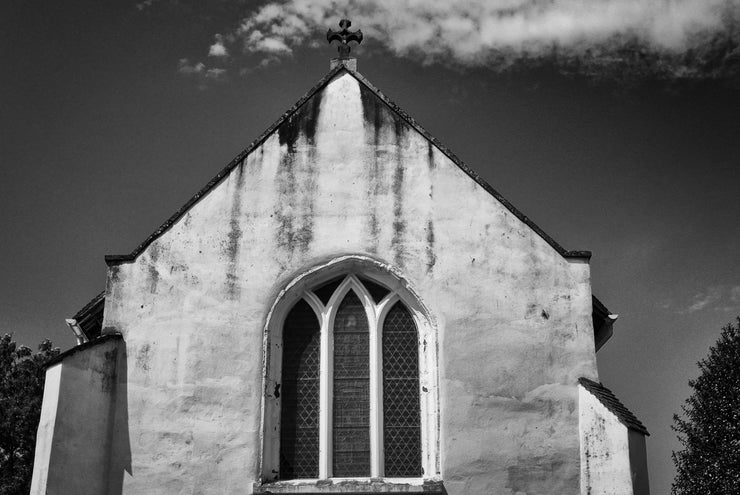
(351, 382)
(299, 413)
(401, 406)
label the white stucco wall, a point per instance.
(345, 176)
(74, 437)
(45, 432)
(605, 449)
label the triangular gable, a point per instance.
(115, 259)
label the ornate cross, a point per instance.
(344, 37)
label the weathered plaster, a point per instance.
(75, 434)
(45, 432)
(605, 449)
(346, 175)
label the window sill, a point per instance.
(361, 486)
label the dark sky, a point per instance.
(103, 137)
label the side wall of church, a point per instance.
(605, 450)
(346, 175)
(75, 431)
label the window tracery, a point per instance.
(350, 374)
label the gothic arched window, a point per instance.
(348, 393)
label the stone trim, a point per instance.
(369, 486)
(393, 279)
(92, 343)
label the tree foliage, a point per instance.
(21, 393)
(710, 429)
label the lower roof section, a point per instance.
(610, 401)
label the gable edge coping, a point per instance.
(81, 347)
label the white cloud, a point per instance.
(144, 5)
(201, 72)
(487, 32)
(735, 294)
(218, 49)
(215, 74)
(704, 299)
(717, 297)
(256, 41)
(185, 67)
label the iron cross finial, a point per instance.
(344, 37)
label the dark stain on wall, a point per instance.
(152, 268)
(108, 371)
(430, 156)
(372, 113)
(587, 476)
(233, 240)
(293, 211)
(285, 181)
(309, 186)
(399, 224)
(431, 256)
(142, 357)
(302, 122)
(115, 273)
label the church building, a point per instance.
(346, 307)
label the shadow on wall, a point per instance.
(119, 461)
(83, 441)
(638, 463)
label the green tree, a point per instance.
(710, 429)
(21, 393)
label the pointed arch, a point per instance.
(376, 306)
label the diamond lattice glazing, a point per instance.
(401, 409)
(299, 413)
(351, 397)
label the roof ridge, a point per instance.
(112, 259)
(610, 401)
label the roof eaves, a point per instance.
(599, 307)
(610, 401)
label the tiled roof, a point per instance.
(89, 306)
(611, 402)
